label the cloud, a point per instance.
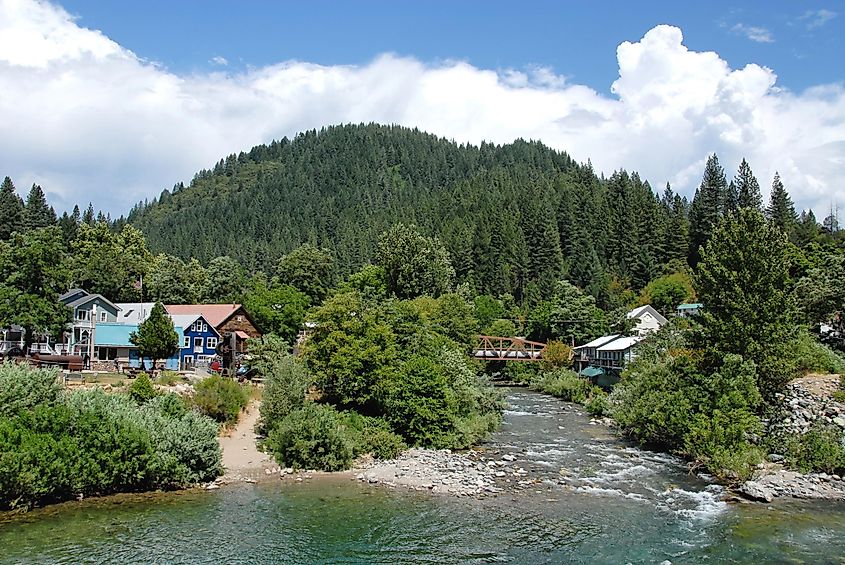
(817, 18)
(218, 60)
(90, 120)
(758, 34)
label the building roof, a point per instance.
(71, 292)
(184, 321)
(599, 341)
(691, 306)
(621, 344)
(88, 298)
(134, 312)
(117, 335)
(638, 312)
(592, 372)
(214, 314)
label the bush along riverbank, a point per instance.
(58, 445)
(384, 375)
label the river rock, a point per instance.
(756, 491)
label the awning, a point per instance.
(242, 334)
(592, 372)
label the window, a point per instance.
(186, 342)
(103, 316)
(82, 314)
(204, 328)
(210, 342)
(197, 344)
(240, 318)
(189, 359)
(105, 353)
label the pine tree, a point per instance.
(731, 198)
(88, 216)
(743, 281)
(747, 188)
(156, 337)
(545, 260)
(808, 228)
(708, 206)
(781, 211)
(37, 213)
(831, 222)
(11, 210)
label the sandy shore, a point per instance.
(241, 458)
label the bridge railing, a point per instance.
(494, 348)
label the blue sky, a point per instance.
(802, 41)
(112, 102)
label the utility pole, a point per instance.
(91, 336)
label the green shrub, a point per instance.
(597, 403)
(565, 384)
(814, 357)
(219, 398)
(169, 378)
(420, 405)
(94, 443)
(372, 435)
(285, 384)
(822, 449)
(23, 387)
(556, 356)
(141, 390)
(185, 443)
(312, 437)
(522, 373)
(701, 409)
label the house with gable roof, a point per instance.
(227, 319)
(199, 339)
(88, 311)
(646, 319)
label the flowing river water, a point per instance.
(594, 499)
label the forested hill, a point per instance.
(515, 218)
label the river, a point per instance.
(596, 500)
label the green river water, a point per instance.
(598, 500)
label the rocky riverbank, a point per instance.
(473, 473)
(774, 481)
(804, 403)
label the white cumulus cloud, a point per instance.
(90, 120)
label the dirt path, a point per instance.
(241, 457)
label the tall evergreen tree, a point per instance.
(743, 281)
(88, 216)
(731, 198)
(11, 210)
(545, 260)
(747, 188)
(156, 337)
(708, 206)
(808, 228)
(37, 213)
(781, 211)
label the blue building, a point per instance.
(198, 338)
(112, 348)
